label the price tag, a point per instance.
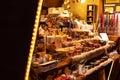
(104, 36)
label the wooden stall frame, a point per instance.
(34, 35)
(112, 1)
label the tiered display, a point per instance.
(60, 35)
(64, 51)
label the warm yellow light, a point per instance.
(111, 11)
(32, 43)
(33, 38)
(35, 29)
(34, 34)
(28, 63)
(30, 55)
(31, 51)
(106, 10)
(38, 13)
(37, 17)
(82, 1)
(31, 47)
(39, 8)
(36, 24)
(39, 4)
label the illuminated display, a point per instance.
(36, 24)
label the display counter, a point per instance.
(66, 50)
(69, 65)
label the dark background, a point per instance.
(16, 29)
(16, 25)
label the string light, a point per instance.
(36, 24)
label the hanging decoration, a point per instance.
(109, 23)
(116, 19)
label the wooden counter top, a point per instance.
(101, 65)
(64, 62)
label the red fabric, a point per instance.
(111, 21)
(116, 20)
(102, 21)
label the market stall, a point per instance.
(68, 48)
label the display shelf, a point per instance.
(89, 55)
(100, 70)
(101, 65)
(91, 14)
(69, 62)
